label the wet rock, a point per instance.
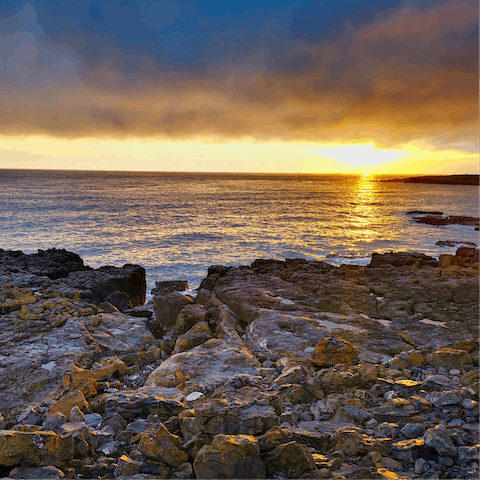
(169, 286)
(331, 350)
(230, 456)
(52, 263)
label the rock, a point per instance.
(133, 404)
(439, 439)
(198, 334)
(36, 473)
(51, 263)
(38, 354)
(450, 358)
(119, 299)
(162, 446)
(401, 259)
(230, 456)
(97, 285)
(31, 449)
(189, 316)
(166, 308)
(30, 416)
(83, 439)
(169, 286)
(388, 474)
(291, 459)
(246, 410)
(331, 350)
(440, 399)
(354, 443)
(467, 455)
(210, 365)
(412, 430)
(127, 467)
(69, 401)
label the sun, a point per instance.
(367, 174)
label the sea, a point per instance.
(178, 224)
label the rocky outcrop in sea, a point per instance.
(280, 369)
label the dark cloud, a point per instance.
(173, 69)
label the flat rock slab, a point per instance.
(33, 361)
(403, 303)
(207, 366)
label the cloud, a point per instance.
(408, 73)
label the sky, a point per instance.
(366, 86)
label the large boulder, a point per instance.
(206, 366)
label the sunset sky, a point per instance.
(247, 86)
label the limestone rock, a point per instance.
(291, 459)
(66, 403)
(198, 334)
(230, 456)
(31, 449)
(439, 439)
(36, 473)
(127, 467)
(450, 357)
(162, 446)
(401, 259)
(210, 365)
(189, 316)
(331, 350)
(166, 308)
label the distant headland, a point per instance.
(444, 179)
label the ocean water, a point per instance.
(178, 224)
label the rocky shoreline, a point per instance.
(439, 179)
(281, 370)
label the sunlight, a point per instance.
(360, 156)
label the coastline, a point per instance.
(438, 179)
(293, 368)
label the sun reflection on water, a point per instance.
(364, 216)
